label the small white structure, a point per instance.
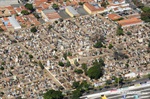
(14, 23)
(131, 75)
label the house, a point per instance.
(130, 22)
(11, 23)
(91, 9)
(118, 7)
(4, 12)
(114, 16)
(72, 59)
(50, 15)
(11, 9)
(14, 23)
(71, 11)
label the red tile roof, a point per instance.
(114, 16)
(54, 15)
(92, 8)
(130, 21)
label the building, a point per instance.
(118, 7)
(50, 15)
(4, 12)
(114, 17)
(72, 59)
(8, 2)
(14, 23)
(93, 9)
(130, 75)
(130, 22)
(116, 1)
(71, 11)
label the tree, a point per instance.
(52, 94)
(41, 65)
(119, 31)
(76, 94)
(98, 44)
(67, 54)
(33, 29)
(76, 84)
(30, 7)
(146, 9)
(25, 12)
(110, 46)
(30, 56)
(104, 4)
(96, 71)
(128, 33)
(1, 68)
(68, 64)
(61, 63)
(78, 71)
(36, 15)
(145, 16)
(84, 67)
(119, 80)
(55, 6)
(80, 89)
(138, 3)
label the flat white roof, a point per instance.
(72, 10)
(8, 2)
(14, 22)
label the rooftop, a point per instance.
(129, 21)
(92, 8)
(114, 16)
(14, 22)
(72, 10)
(53, 15)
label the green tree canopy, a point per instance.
(55, 6)
(119, 31)
(78, 71)
(110, 46)
(41, 65)
(76, 84)
(80, 89)
(96, 71)
(52, 94)
(61, 63)
(98, 44)
(33, 29)
(29, 6)
(84, 67)
(25, 12)
(68, 63)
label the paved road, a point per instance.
(144, 93)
